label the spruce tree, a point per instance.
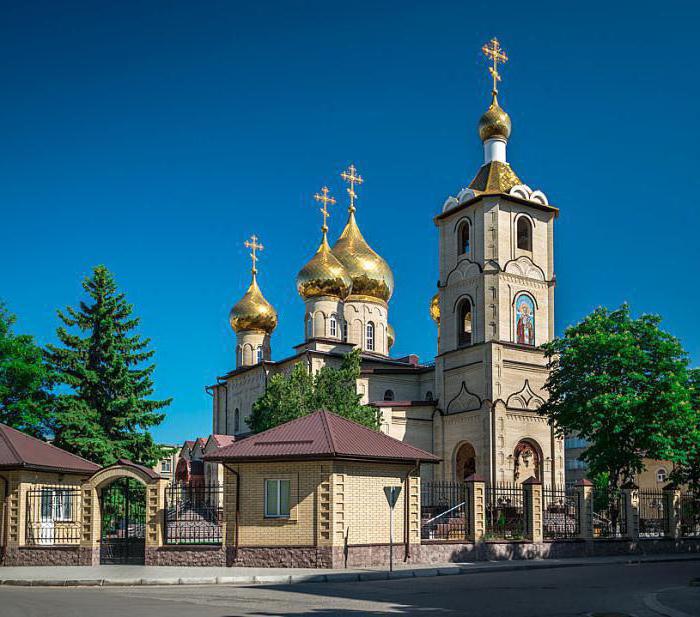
(104, 413)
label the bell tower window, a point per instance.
(333, 326)
(464, 238)
(524, 234)
(464, 326)
(369, 340)
(236, 422)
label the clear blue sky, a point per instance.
(155, 137)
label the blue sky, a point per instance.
(155, 137)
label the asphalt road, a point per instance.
(647, 590)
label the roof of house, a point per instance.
(221, 440)
(321, 434)
(19, 450)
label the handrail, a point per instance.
(459, 505)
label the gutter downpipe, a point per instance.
(406, 511)
(236, 524)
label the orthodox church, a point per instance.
(476, 405)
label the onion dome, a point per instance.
(324, 275)
(253, 312)
(435, 308)
(495, 122)
(371, 276)
(390, 335)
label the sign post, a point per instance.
(392, 496)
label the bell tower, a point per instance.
(495, 304)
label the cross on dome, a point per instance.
(495, 52)
(349, 175)
(325, 200)
(254, 246)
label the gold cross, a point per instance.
(349, 176)
(325, 199)
(254, 246)
(496, 53)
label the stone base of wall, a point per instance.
(280, 557)
(186, 555)
(43, 556)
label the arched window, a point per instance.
(309, 326)
(661, 475)
(464, 238)
(236, 421)
(428, 396)
(524, 320)
(464, 326)
(524, 234)
(259, 354)
(389, 395)
(333, 326)
(370, 337)
(345, 331)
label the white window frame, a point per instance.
(276, 484)
(166, 465)
(369, 336)
(56, 505)
(658, 475)
(333, 326)
(259, 354)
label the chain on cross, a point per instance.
(325, 199)
(495, 52)
(351, 176)
(253, 245)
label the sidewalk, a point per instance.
(78, 576)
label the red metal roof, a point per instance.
(321, 434)
(222, 440)
(19, 450)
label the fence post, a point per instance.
(532, 488)
(476, 505)
(672, 511)
(630, 507)
(584, 490)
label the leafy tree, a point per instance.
(25, 380)
(687, 468)
(104, 414)
(300, 393)
(621, 384)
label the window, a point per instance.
(370, 336)
(236, 421)
(524, 233)
(345, 331)
(464, 233)
(661, 475)
(575, 464)
(389, 395)
(524, 320)
(333, 326)
(309, 327)
(166, 465)
(464, 327)
(259, 354)
(277, 494)
(56, 505)
(428, 396)
(575, 442)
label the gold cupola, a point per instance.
(324, 275)
(435, 308)
(495, 122)
(372, 278)
(253, 313)
(390, 336)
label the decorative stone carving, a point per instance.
(525, 399)
(524, 266)
(464, 401)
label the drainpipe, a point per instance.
(406, 511)
(5, 524)
(236, 524)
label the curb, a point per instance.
(337, 577)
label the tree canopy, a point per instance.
(102, 410)
(25, 380)
(622, 384)
(334, 389)
(687, 468)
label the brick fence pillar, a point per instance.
(476, 508)
(584, 491)
(672, 511)
(630, 508)
(533, 509)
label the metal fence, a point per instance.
(444, 511)
(560, 512)
(194, 514)
(651, 513)
(690, 515)
(608, 514)
(505, 512)
(53, 515)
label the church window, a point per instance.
(370, 337)
(661, 475)
(236, 421)
(333, 326)
(524, 234)
(259, 354)
(345, 331)
(465, 322)
(309, 327)
(524, 320)
(464, 238)
(389, 395)
(428, 396)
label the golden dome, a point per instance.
(253, 312)
(372, 277)
(435, 308)
(324, 275)
(390, 335)
(495, 122)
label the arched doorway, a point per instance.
(527, 461)
(123, 522)
(465, 462)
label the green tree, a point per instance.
(621, 384)
(687, 465)
(104, 413)
(25, 380)
(295, 395)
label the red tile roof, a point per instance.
(18, 450)
(321, 435)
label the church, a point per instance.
(475, 406)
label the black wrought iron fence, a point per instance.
(505, 512)
(690, 515)
(194, 514)
(444, 512)
(608, 514)
(560, 512)
(651, 513)
(53, 515)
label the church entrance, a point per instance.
(123, 514)
(465, 462)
